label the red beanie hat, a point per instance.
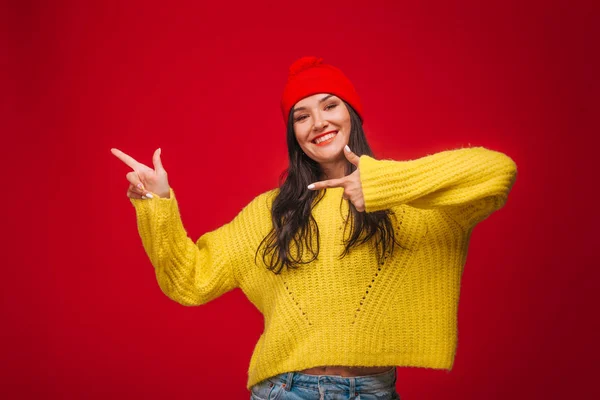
(308, 76)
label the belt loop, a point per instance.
(288, 381)
(352, 387)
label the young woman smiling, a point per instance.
(354, 262)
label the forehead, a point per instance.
(311, 101)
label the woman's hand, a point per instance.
(350, 183)
(143, 180)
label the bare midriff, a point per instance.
(345, 371)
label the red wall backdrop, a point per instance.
(82, 314)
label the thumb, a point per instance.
(350, 156)
(157, 161)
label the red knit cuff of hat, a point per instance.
(308, 76)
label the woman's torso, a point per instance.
(334, 196)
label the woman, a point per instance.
(354, 262)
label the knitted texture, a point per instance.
(308, 76)
(351, 311)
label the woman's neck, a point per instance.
(333, 170)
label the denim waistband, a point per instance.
(381, 381)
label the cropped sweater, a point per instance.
(353, 311)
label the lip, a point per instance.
(323, 134)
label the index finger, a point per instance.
(130, 161)
(330, 183)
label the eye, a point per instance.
(300, 118)
(330, 106)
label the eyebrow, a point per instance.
(320, 101)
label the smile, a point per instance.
(324, 139)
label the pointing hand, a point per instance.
(143, 180)
(350, 183)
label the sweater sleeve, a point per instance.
(467, 184)
(187, 272)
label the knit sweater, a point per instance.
(352, 311)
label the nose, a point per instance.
(320, 122)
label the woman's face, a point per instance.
(322, 127)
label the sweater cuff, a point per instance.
(159, 222)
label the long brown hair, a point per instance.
(294, 227)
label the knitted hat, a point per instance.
(308, 76)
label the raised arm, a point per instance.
(468, 184)
(187, 272)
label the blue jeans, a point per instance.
(299, 386)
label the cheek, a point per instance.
(343, 119)
(301, 135)
(346, 127)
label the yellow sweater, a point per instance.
(353, 311)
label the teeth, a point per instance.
(324, 138)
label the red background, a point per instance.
(82, 314)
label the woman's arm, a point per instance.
(187, 272)
(468, 184)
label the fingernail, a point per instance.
(139, 185)
(144, 197)
(347, 148)
(311, 186)
(149, 195)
